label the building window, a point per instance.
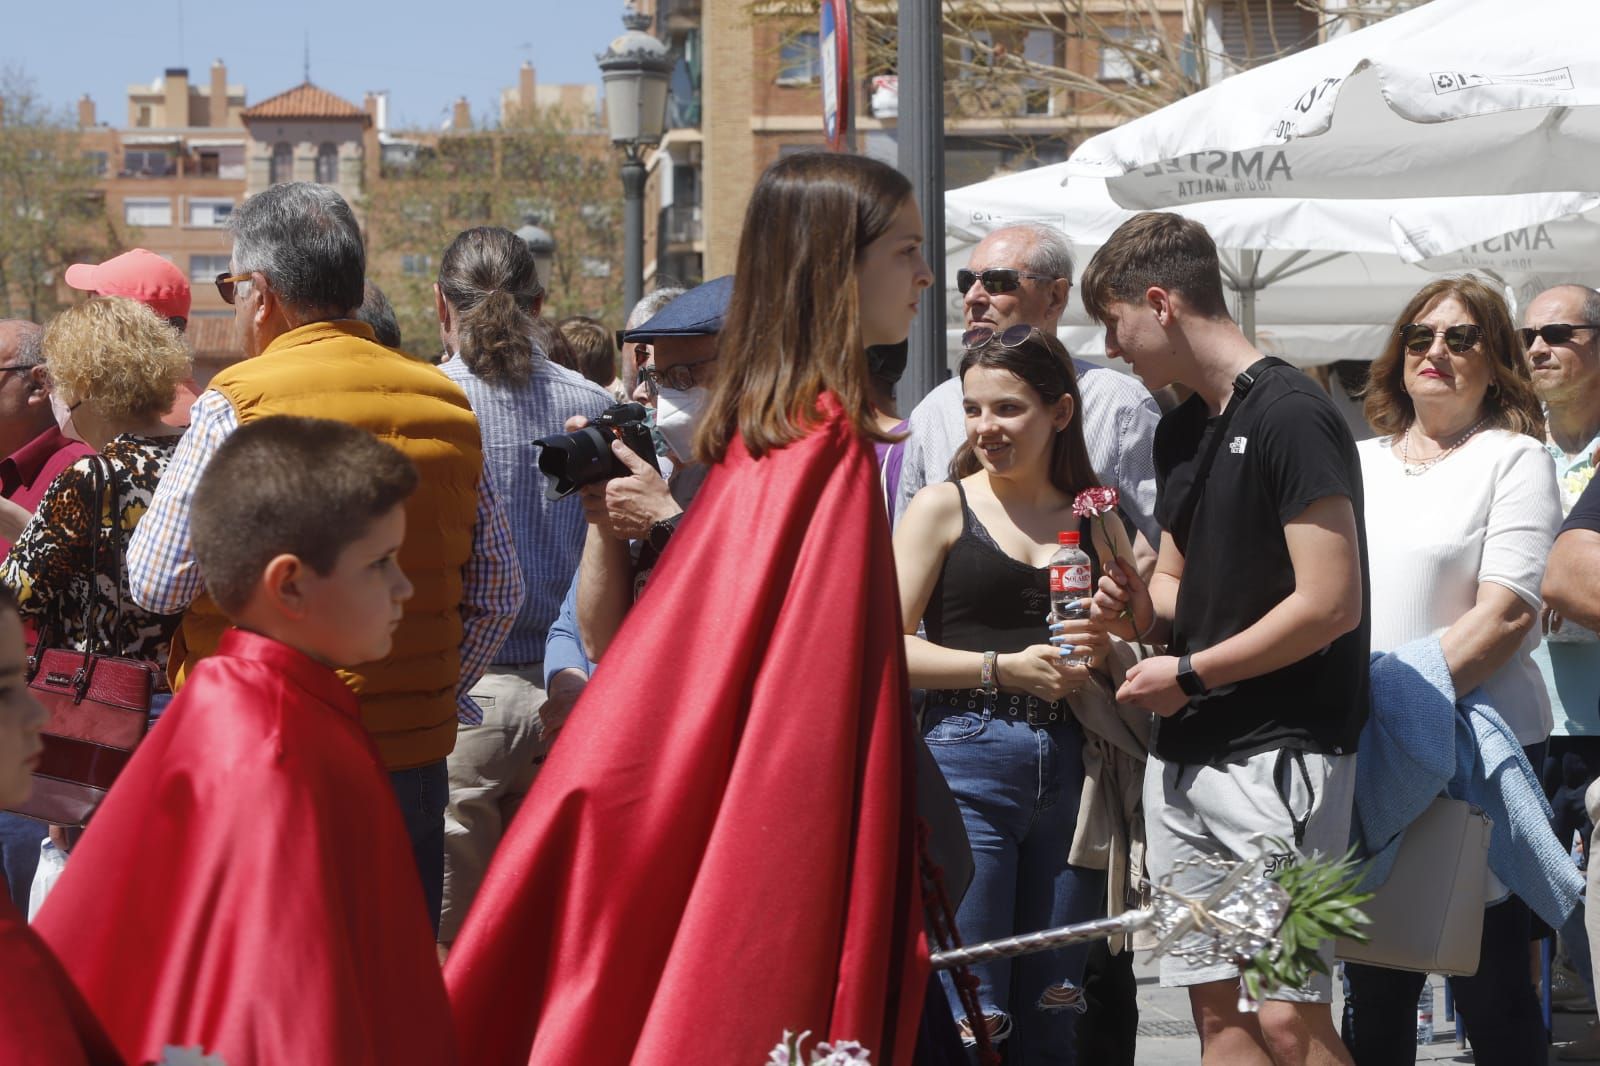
(147, 212)
(97, 162)
(208, 164)
(328, 164)
(1116, 55)
(203, 269)
(210, 214)
(282, 163)
(147, 163)
(1258, 31)
(416, 265)
(799, 59)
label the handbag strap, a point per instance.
(1242, 384)
(104, 490)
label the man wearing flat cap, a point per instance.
(632, 518)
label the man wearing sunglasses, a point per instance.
(1561, 332)
(1023, 275)
(295, 283)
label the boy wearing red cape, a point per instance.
(246, 892)
(720, 847)
(43, 1019)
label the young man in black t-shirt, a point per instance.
(1260, 590)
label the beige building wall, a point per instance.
(730, 168)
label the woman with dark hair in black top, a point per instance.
(972, 557)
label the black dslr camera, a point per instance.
(573, 460)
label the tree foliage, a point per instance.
(541, 167)
(52, 210)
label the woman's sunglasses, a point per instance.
(1419, 338)
(996, 280)
(1012, 337)
(227, 285)
(1554, 333)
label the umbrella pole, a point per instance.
(1250, 261)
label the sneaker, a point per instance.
(1586, 1049)
(1568, 994)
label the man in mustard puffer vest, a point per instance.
(298, 268)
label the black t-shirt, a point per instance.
(1286, 447)
(1585, 514)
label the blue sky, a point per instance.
(425, 54)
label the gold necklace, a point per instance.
(1424, 465)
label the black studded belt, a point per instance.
(1013, 705)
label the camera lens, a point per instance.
(572, 460)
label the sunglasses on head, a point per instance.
(1011, 337)
(1419, 338)
(1554, 333)
(227, 285)
(996, 280)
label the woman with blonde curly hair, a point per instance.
(115, 366)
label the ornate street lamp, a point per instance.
(541, 245)
(636, 70)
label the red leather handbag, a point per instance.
(99, 704)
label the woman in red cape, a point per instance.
(44, 1021)
(722, 846)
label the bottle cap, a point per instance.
(1069, 540)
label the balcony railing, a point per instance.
(680, 224)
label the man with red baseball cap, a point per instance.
(139, 275)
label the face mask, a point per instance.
(63, 414)
(677, 414)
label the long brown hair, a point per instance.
(1043, 363)
(488, 276)
(793, 326)
(1511, 402)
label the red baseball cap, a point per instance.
(139, 275)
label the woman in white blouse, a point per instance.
(1461, 511)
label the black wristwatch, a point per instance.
(1190, 681)
(661, 532)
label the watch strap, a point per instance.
(1188, 680)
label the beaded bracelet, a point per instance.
(986, 678)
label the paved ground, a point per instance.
(1167, 1037)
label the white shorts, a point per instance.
(1228, 811)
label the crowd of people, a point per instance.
(457, 754)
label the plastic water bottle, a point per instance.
(1425, 1014)
(1069, 581)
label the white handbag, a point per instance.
(1428, 915)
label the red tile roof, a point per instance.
(306, 101)
(212, 340)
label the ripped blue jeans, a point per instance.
(1018, 786)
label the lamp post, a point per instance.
(635, 70)
(541, 246)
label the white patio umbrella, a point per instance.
(1329, 295)
(1453, 98)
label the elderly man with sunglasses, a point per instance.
(1022, 275)
(297, 281)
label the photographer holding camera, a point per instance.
(488, 297)
(632, 518)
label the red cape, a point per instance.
(248, 887)
(721, 847)
(43, 1019)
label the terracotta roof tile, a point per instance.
(305, 101)
(212, 340)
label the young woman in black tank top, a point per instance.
(972, 557)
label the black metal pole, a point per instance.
(921, 145)
(633, 175)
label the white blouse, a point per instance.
(1487, 512)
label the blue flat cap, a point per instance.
(697, 313)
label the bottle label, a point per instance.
(1073, 580)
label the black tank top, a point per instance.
(987, 601)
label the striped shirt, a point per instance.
(1119, 427)
(164, 576)
(548, 534)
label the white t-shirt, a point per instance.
(1487, 512)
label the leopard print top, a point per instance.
(48, 568)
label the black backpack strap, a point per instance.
(1242, 384)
